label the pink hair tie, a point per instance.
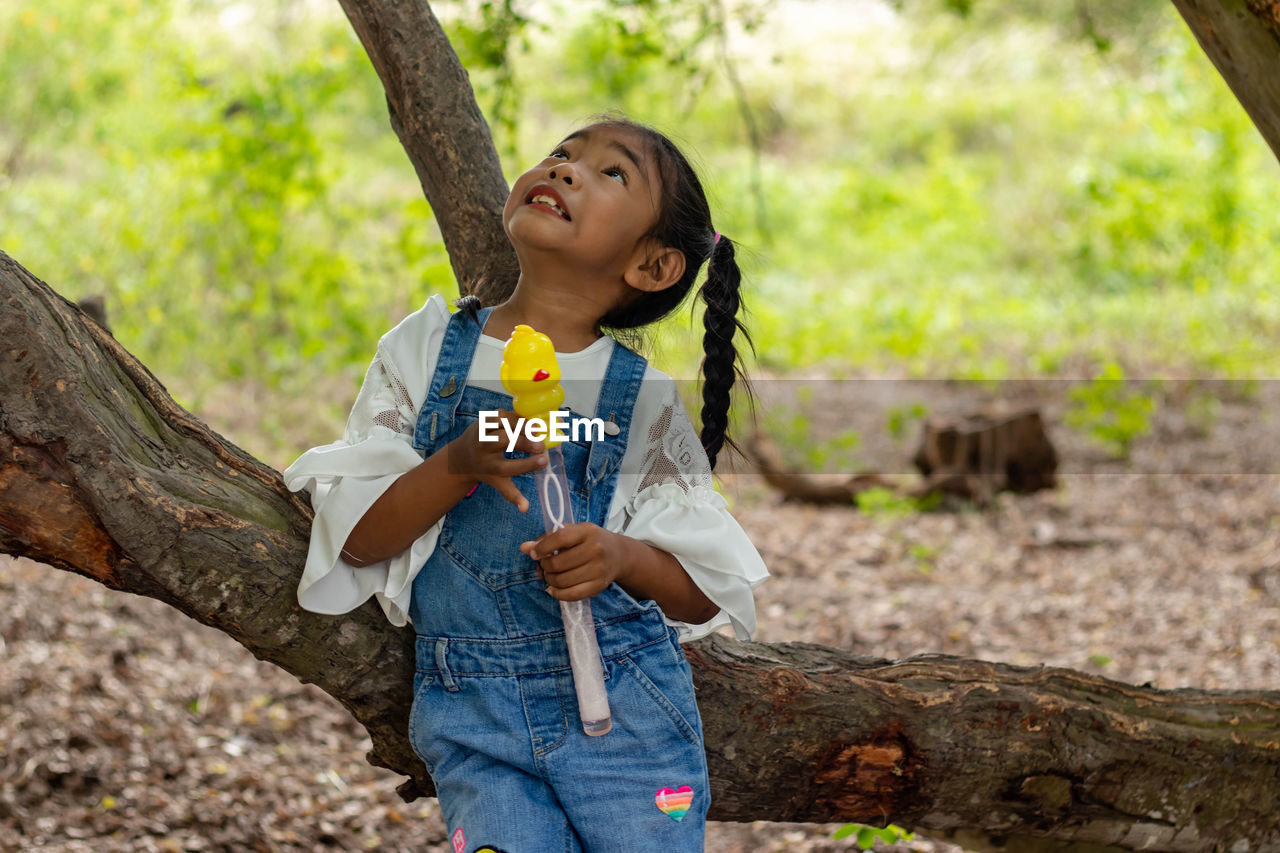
(717, 239)
(472, 490)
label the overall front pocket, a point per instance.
(482, 538)
(667, 689)
(420, 716)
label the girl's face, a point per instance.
(591, 201)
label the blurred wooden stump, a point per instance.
(976, 456)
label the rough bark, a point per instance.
(434, 112)
(1242, 37)
(102, 474)
(992, 755)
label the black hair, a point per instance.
(684, 223)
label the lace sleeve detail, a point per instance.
(672, 450)
(383, 401)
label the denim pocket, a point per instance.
(677, 692)
(419, 714)
(494, 557)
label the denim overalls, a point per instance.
(494, 715)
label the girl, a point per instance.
(610, 231)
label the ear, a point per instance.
(655, 267)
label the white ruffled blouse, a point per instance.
(663, 496)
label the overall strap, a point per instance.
(615, 407)
(445, 391)
(620, 388)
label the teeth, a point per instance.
(548, 201)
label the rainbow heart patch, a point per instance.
(674, 804)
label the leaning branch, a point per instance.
(1242, 38)
(434, 112)
(102, 474)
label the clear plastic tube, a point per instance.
(579, 629)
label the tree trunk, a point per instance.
(434, 112)
(102, 474)
(1242, 37)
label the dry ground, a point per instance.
(125, 726)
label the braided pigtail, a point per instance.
(469, 305)
(489, 288)
(721, 364)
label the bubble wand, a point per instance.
(530, 372)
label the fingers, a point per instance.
(558, 540)
(577, 592)
(572, 562)
(491, 451)
(495, 459)
(578, 582)
(558, 562)
(501, 468)
(487, 461)
(534, 448)
(510, 491)
(505, 469)
(525, 465)
(512, 423)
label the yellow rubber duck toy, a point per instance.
(530, 372)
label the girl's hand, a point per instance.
(578, 561)
(484, 461)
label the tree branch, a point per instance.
(102, 474)
(435, 114)
(1242, 38)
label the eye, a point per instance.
(617, 173)
(559, 154)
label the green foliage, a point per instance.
(1111, 410)
(886, 503)
(923, 555)
(791, 427)
(1014, 188)
(867, 836)
(901, 418)
(209, 197)
(1202, 411)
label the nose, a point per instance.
(563, 172)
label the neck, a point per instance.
(558, 304)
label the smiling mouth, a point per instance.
(544, 199)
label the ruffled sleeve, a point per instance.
(346, 477)
(674, 507)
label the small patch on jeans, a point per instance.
(674, 804)
(459, 841)
(488, 849)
